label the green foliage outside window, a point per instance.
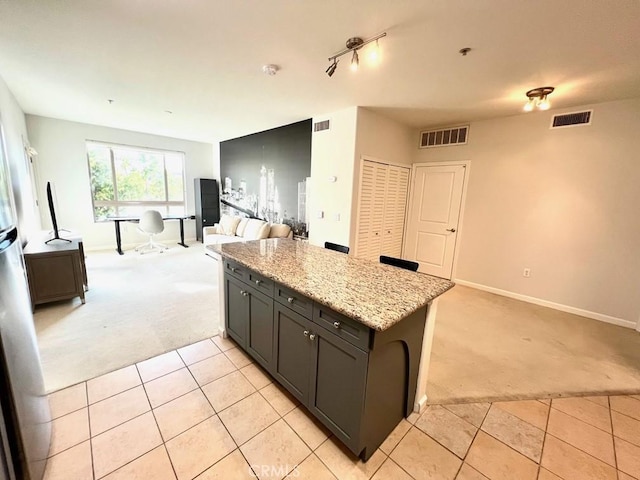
(139, 182)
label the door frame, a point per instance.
(465, 181)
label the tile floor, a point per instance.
(207, 411)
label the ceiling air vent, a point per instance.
(444, 138)
(320, 126)
(571, 119)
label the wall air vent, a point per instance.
(572, 119)
(444, 138)
(320, 126)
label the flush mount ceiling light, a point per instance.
(353, 45)
(538, 98)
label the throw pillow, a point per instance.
(279, 230)
(241, 226)
(256, 230)
(229, 224)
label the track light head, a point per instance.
(355, 61)
(332, 68)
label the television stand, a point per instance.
(55, 271)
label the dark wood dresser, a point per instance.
(55, 270)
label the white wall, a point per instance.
(332, 155)
(62, 160)
(15, 137)
(562, 202)
(383, 139)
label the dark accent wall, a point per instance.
(286, 150)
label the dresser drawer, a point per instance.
(294, 300)
(236, 270)
(261, 283)
(346, 328)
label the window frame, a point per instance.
(162, 205)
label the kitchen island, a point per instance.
(343, 335)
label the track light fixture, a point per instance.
(538, 98)
(353, 45)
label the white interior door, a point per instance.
(432, 223)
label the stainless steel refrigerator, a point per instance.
(25, 420)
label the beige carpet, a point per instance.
(488, 347)
(137, 307)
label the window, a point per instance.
(126, 181)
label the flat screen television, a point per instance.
(54, 222)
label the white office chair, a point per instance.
(151, 223)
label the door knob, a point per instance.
(258, 282)
(451, 230)
(312, 336)
(290, 299)
(306, 333)
(336, 324)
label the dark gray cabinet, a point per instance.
(325, 373)
(237, 310)
(250, 319)
(358, 382)
(292, 365)
(260, 327)
(336, 396)
(207, 204)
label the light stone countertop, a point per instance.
(371, 293)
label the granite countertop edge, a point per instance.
(375, 325)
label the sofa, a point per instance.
(238, 229)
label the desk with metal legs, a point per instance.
(118, 220)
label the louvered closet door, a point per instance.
(371, 210)
(394, 210)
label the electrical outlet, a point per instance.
(526, 272)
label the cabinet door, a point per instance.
(338, 386)
(394, 211)
(292, 347)
(260, 333)
(237, 310)
(371, 203)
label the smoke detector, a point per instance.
(270, 69)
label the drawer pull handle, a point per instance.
(336, 324)
(312, 336)
(243, 293)
(290, 299)
(306, 333)
(258, 282)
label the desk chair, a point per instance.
(151, 223)
(399, 262)
(336, 247)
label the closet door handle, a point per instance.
(451, 230)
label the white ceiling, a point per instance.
(202, 59)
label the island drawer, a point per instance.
(348, 329)
(236, 270)
(295, 301)
(261, 283)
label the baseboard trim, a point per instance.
(545, 303)
(418, 407)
